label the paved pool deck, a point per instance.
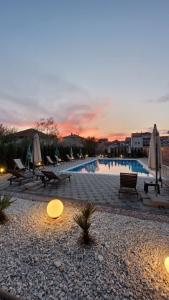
(96, 188)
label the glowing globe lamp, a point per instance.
(2, 170)
(55, 208)
(166, 263)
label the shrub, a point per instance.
(84, 221)
(5, 202)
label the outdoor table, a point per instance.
(147, 184)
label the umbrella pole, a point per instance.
(33, 159)
(156, 169)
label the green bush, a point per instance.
(5, 202)
(84, 221)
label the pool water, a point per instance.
(112, 166)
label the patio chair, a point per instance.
(80, 156)
(50, 161)
(19, 176)
(19, 165)
(58, 159)
(128, 183)
(50, 176)
(70, 158)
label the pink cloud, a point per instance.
(82, 119)
(117, 136)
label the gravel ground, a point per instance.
(41, 259)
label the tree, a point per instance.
(90, 146)
(48, 126)
(6, 132)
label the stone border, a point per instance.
(139, 214)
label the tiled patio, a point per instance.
(100, 189)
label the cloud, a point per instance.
(162, 99)
(117, 136)
(71, 106)
(79, 119)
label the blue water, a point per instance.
(112, 166)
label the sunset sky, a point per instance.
(98, 67)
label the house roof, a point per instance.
(29, 133)
(74, 136)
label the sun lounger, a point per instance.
(70, 158)
(50, 176)
(128, 183)
(58, 159)
(50, 161)
(19, 165)
(19, 176)
(80, 156)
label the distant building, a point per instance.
(103, 140)
(164, 141)
(128, 141)
(113, 145)
(28, 134)
(140, 140)
(73, 140)
(102, 145)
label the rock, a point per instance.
(44, 261)
(57, 263)
(61, 268)
(100, 258)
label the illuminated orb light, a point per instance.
(166, 263)
(55, 208)
(2, 170)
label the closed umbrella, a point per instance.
(29, 156)
(37, 158)
(81, 154)
(155, 157)
(71, 152)
(129, 150)
(57, 152)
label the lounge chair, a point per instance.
(58, 159)
(19, 176)
(80, 156)
(50, 176)
(19, 165)
(128, 183)
(50, 161)
(70, 158)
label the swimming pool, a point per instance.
(112, 166)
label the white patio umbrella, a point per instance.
(71, 152)
(129, 150)
(28, 156)
(37, 158)
(155, 156)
